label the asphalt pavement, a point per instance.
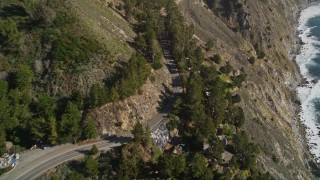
(67, 156)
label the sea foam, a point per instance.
(311, 91)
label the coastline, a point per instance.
(304, 81)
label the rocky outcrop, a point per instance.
(120, 117)
(264, 30)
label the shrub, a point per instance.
(236, 99)
(252, 60)
(226, 69)
(157, 65)
(261, 55)
(216, 58)
(209, 45)
(237, 80)
(152, 79)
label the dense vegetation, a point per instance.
(123, 84)
(206, 111)
(42, 43)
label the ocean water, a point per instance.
(309, 63)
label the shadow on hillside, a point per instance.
(119, 139)
(12, 11)
(76, 166)
(110, 139)
(165, 100)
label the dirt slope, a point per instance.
(268, 95)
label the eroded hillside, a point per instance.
(259, 36)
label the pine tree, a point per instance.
(5, 112)
(70, 123)
(37, 127)
(198, 166)
(94, 96)
(2, 141)
(53, 135)
(90, 130)
(114, 94)
(46, 105)
(94, 150)
(138, 132)
(23, 77)
(128, 167)
(75, 176)
(147, 137)
(238, 116)
(91, 166)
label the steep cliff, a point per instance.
(265, 32)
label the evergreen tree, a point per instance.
(216, 148)
(91, 166)
(46, 105)
(53, 135)
(198, 166)
(94, 150)
(217, 102)
(196, 109)
(94, 96)
(4, 104)
(141, 43)
(128, 166)
(19, 109)
(180, 165)
(99, 95)
(70, 123)
(245, 151)
(38, 127)
(147, 137)
(75, 176)
(3, 88)
(166, 166)
(77, 98)
(90, 130)
(238, 117)
(114, 94)
(23, 77)
(137, 132)
(8, 32)
(2, 141)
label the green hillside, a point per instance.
(51, 55)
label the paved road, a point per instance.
(176, 84)
(66, 156)
(34, 163)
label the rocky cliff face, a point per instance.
(120, 117)
(264, 30)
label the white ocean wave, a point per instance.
(311, 92)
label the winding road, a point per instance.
(34, 163)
